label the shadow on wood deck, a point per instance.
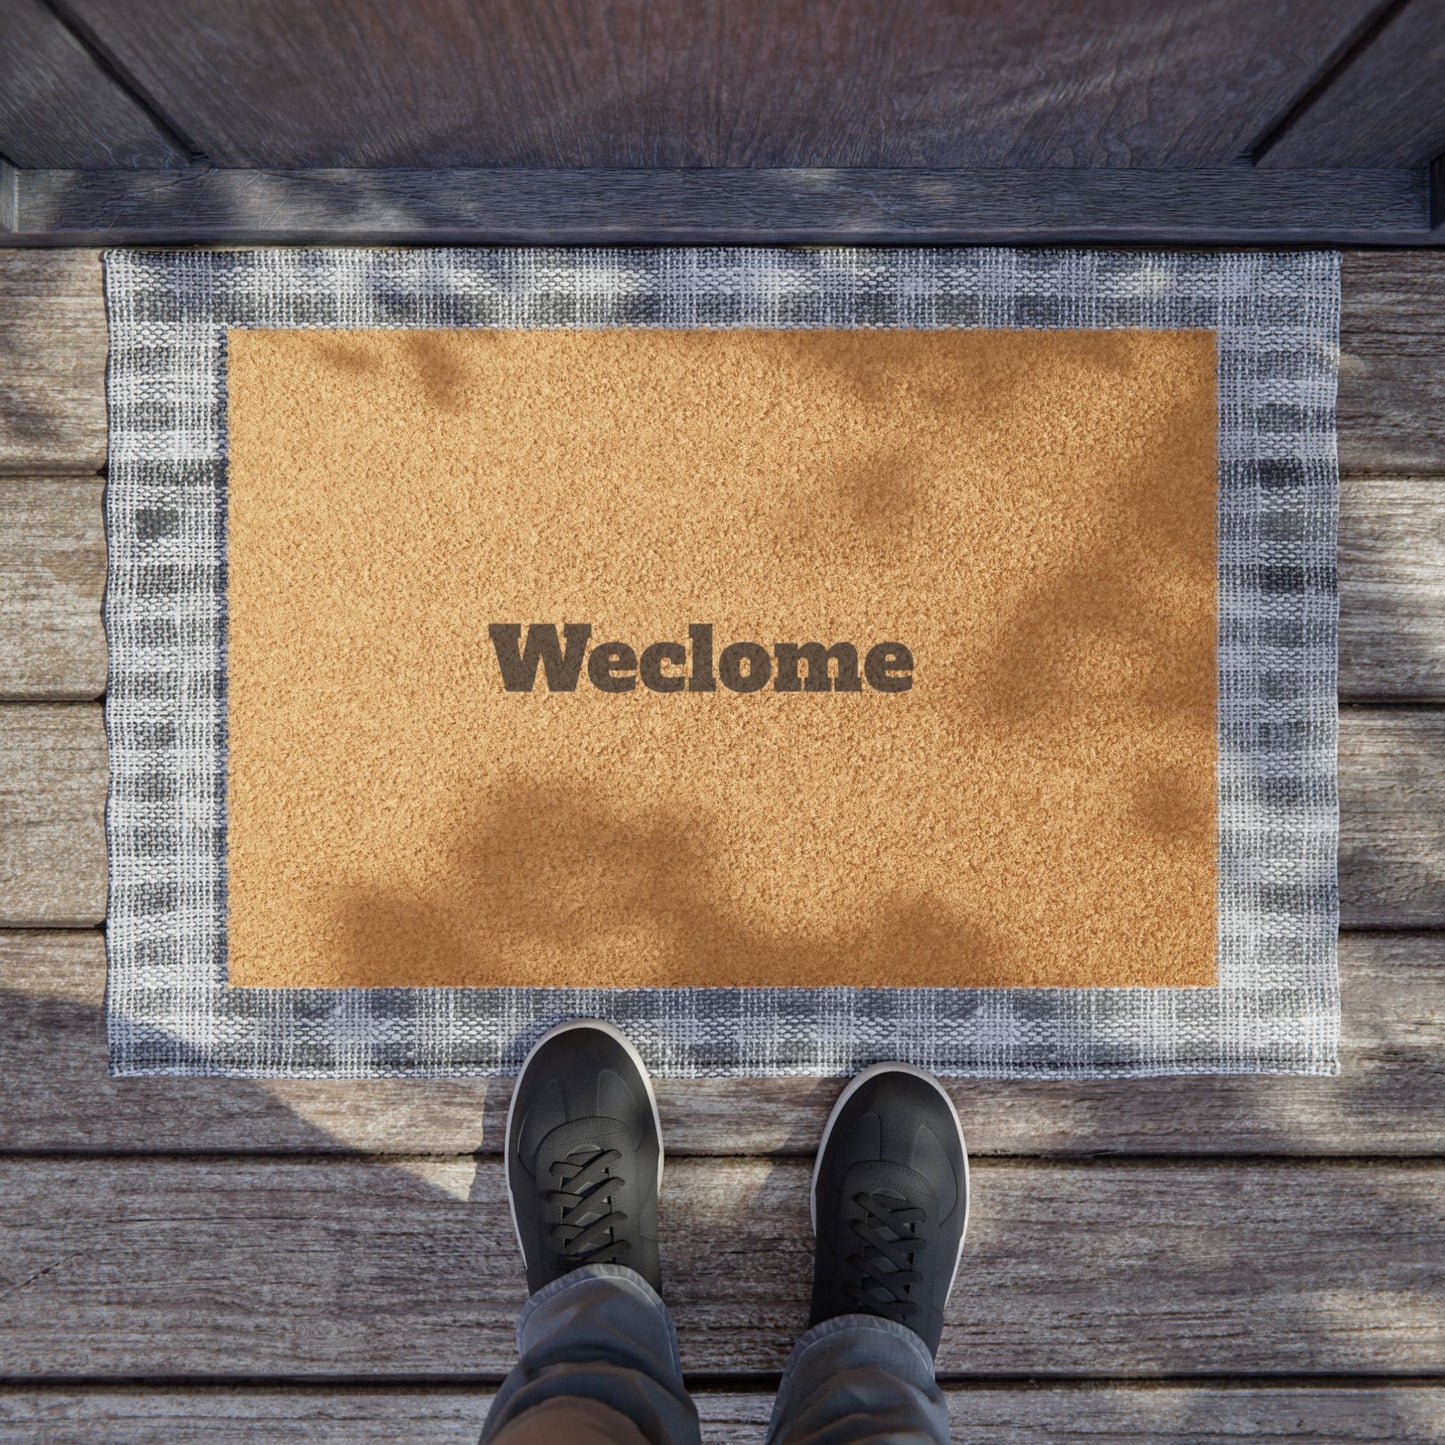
(1228, 1259)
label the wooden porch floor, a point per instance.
(1155, 1261)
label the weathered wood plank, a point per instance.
(52, 575)
(1392, 589)
(53, 771)
(59, 108)
(1389, 1099)
(1383, 108)
(53, 346)
(1392, 362)
(240, 1269)
(52, 362)
(294, 83)
(52, 793)
(1392, 819)
(1230, 204)
(1052, 1414)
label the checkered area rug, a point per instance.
(1276, 1006)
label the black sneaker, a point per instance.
(584, 1155)
(890, 1201)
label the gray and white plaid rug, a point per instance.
(1276, 1008)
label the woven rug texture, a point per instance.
(1275, 318)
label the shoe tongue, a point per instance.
(584, 1136)
(880, 1176)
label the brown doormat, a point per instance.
(1003, 774)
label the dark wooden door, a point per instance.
(528, 119)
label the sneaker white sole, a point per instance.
(853, 1087)
(621, 1038)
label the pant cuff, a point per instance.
(862, 1323)
(626, 1279)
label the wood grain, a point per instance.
(1392, 589)
(1389, 1099)
(1392, 368)
(1222, 205)
(1208, 1413)
(59, 108)
(52, 575)
(1392, 819)
(53, 770)
(296, 83)
(52, 362)
(1383, 108)
(53, 773)
(1392, 362)
(294, 1268)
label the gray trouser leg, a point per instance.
(598, 1365)
(857, 1380)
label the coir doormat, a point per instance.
(800, 657)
